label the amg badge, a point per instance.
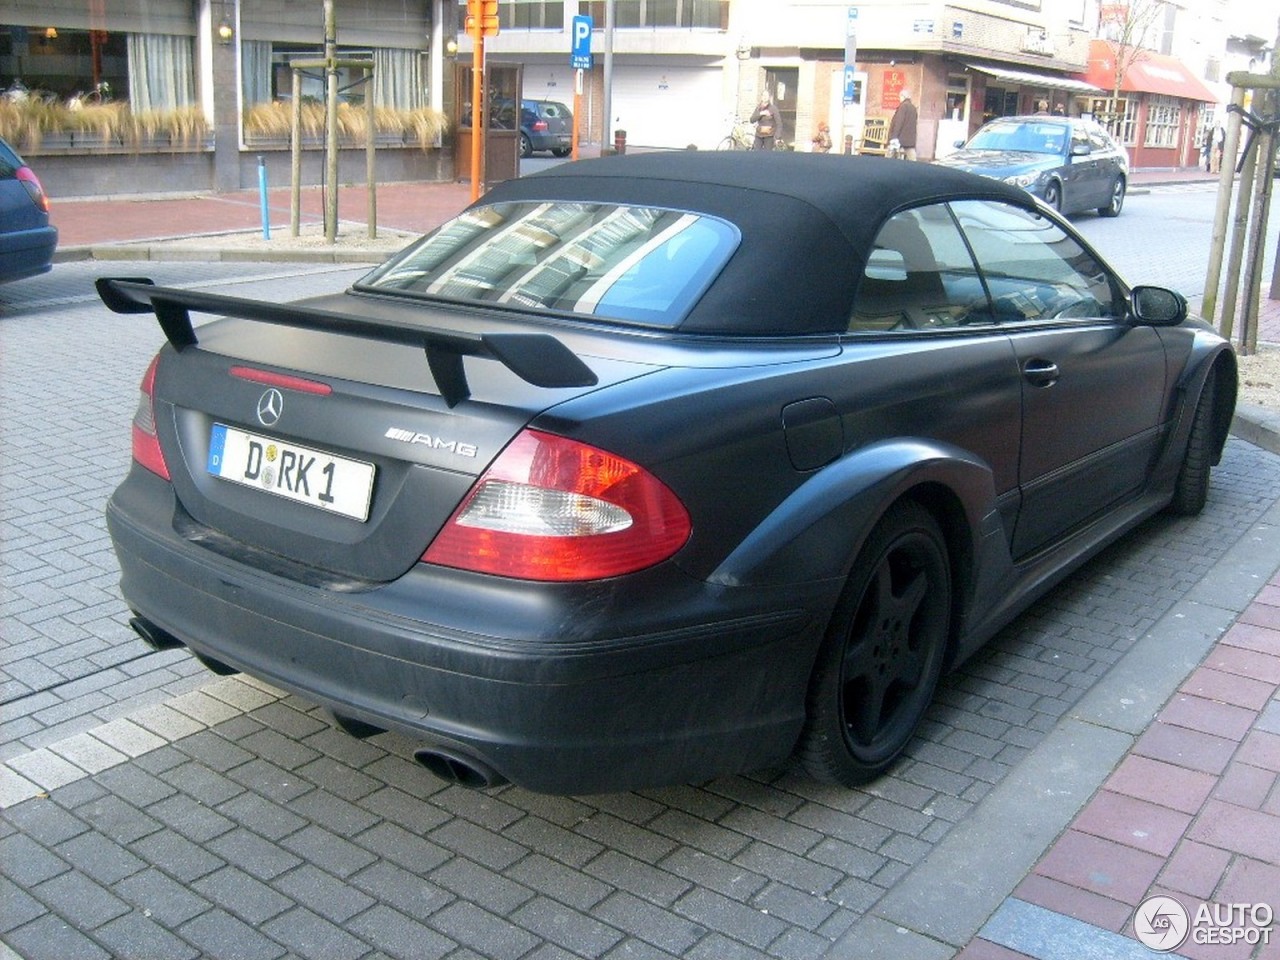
(435, 443)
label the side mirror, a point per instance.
(959, 144)
(1158, 306)
(1080, 150)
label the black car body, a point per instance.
(1072, 164)
(27, 239)
(603, 485)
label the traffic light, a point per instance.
(484, 12)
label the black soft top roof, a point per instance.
(807, 222)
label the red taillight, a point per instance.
(146, 445)
(540, 126)
(550, 508)
(26, 176)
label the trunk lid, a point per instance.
(341, 448)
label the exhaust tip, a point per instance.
(153, 636)
(456, 768)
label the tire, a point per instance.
(728, 143)
(561, 152)
(526, 146)
(1053, 195)
(1113, 208)
(1191, 489)
(879, 665)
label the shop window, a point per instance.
(1121, 122)
(1164, 119)
(57, 63)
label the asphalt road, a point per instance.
(183, 815)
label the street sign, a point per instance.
(580, 52)
(482, 18)
(851, 37)
(850, 84)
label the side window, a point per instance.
(1080, 138)
(1033, 268)
(919, 276)
(1100, 142)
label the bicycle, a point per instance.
(741, 137)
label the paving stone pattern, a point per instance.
(151, 810)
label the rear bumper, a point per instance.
(558, 689)
(25, 253)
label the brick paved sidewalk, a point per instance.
(1192, 812)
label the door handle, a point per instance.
(1040, 373)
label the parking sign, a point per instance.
(580, 53)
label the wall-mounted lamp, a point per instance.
(744, 50)
(451, 48)
(225, 31)
(51, 33)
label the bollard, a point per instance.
(262, 193)
(848, 143)
(619, 141)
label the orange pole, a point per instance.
(479, 109)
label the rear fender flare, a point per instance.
(816, 532)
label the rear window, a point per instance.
(632, 264)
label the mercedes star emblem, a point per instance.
(270, 406)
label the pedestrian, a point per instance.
(768, 124)
(1042, 108)
(822, 139)
(902, 128)
(1059, 110)
(1219, 144)
(1206, 149)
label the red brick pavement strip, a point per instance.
(1192, 812)
(414, 207)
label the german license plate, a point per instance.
(314, 477)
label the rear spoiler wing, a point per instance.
(536, 358)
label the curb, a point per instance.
(1257, 425)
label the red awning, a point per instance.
(1147, 72)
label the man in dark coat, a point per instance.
(902, 128)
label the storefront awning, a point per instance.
(1147, 72)
(1050, 81)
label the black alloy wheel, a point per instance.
(880, 663)
(1113, 208)
(1053, 195)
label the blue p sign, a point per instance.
(580, 58)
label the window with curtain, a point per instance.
(161, 72)
(397, 79)
(255, 68)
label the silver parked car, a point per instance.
(1072, 164)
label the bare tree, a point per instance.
(1128, 25)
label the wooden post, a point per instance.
(1235, 257)
(1226, 183)
(331, 122)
